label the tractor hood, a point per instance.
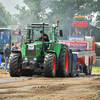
(35, 43)
(32, 49)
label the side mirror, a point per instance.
(91, 32)
(61, 33)
(19, 31)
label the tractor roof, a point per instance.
(5, 28)
(36, 25)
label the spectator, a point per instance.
(76, 33)
(18, 45)
(15, 47)
(7, 54)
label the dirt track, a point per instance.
(42, 88)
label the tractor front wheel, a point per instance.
(50, 65)
(14, 68)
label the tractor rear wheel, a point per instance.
(63, 69)
(90, 66)
(86, 70)
(77, 67)
(50, 65)
(14, 68)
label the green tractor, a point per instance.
(39, 56)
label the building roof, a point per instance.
(17, 27)
(5, 28)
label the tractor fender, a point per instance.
(51, 51)
(16, 51)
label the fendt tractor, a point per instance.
(36, 58)
(53, 58)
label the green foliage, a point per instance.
(97, 50)
(29, 13)
(5, 17)
(48, 11)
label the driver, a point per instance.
(45, 36)
(76, 33)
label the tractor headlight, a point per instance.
(34, 58)
(25, 58)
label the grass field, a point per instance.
(96, 69)
(1, 69)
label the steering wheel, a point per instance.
(38, 39)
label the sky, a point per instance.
(10, 5)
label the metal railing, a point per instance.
(97, 63)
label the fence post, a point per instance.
(97, 63)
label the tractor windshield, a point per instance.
(35, 34)
(30, 35)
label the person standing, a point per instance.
(18, 45)
(15, 47)
(7, 54)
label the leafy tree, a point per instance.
(97, 50)
(50, 10)
(29, 13)
(5, 17)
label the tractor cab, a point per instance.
(33, 32)
(5, 38)
(36, 46)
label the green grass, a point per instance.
(96, 69)
(92, 69)
(2, 69)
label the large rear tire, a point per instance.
(90, 66)
(63, 69)
(50, 65)
(77, 67)
(86, 70)
(14, 68)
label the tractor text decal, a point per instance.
(30, 47)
